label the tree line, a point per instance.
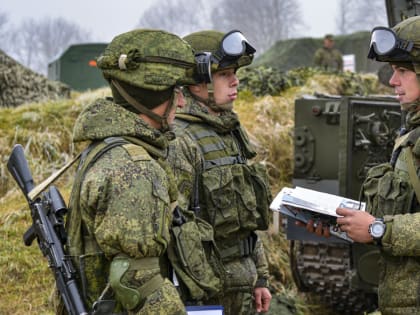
(34, 43)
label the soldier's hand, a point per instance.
(316, 227)
(356, 224)
(262, 298)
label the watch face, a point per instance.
(377, 229)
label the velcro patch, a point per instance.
(136, 152)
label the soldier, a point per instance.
(392, 190)
(124, 191)
(328, 57)
(216, 180)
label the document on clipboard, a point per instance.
(304, 204)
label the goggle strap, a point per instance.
(218, 56)
(406, 45)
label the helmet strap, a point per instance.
(162, 120)
(173, 103)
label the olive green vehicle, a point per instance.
(336, 140)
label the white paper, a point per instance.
(313, 200)
(303, 204)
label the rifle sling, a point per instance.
(412, 173)
(47, 182)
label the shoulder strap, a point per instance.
(92, 153)
(51, 179)
(407, 139)
(412, 172)
(42, 186)
(405, 142)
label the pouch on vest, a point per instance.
(259, 178)
(194, 258)
(387, 192)
(230, 199)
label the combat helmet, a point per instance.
(216, 51)
(400, 44)
(143, 68)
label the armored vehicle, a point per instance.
(336, 140)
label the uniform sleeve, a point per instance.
(130, 203)
(261, 263)
(402, 236)
(128, 210)
(318, 58)
(339, 57)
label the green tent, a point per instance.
(76, 67)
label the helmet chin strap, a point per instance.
(211, 103)
(162, 120)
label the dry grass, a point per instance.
(45, 131)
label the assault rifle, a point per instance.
(48, 211)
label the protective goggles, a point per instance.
(233, 45)
(384, 42)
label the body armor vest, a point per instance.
(234, 196)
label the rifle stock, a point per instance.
(47, 214)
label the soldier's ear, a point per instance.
(197, 88)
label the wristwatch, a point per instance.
(377, 229)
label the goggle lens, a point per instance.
(383, 40)
(233, 44)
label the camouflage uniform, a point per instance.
(390, 195)
(328, 59)
(210, 159)
(119, 224)
(227, 200)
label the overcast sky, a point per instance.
(106, 19)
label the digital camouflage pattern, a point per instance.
(226, 195)
(390, 195)
(328, 59)
(149, 59)
(125, 205)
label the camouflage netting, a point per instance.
(263, 80)
(19, 85)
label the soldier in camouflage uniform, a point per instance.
(392, 190)
(121, 212)
(328, 57)
(216, 179)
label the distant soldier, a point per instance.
(328, 57)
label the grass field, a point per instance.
(45, 131)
